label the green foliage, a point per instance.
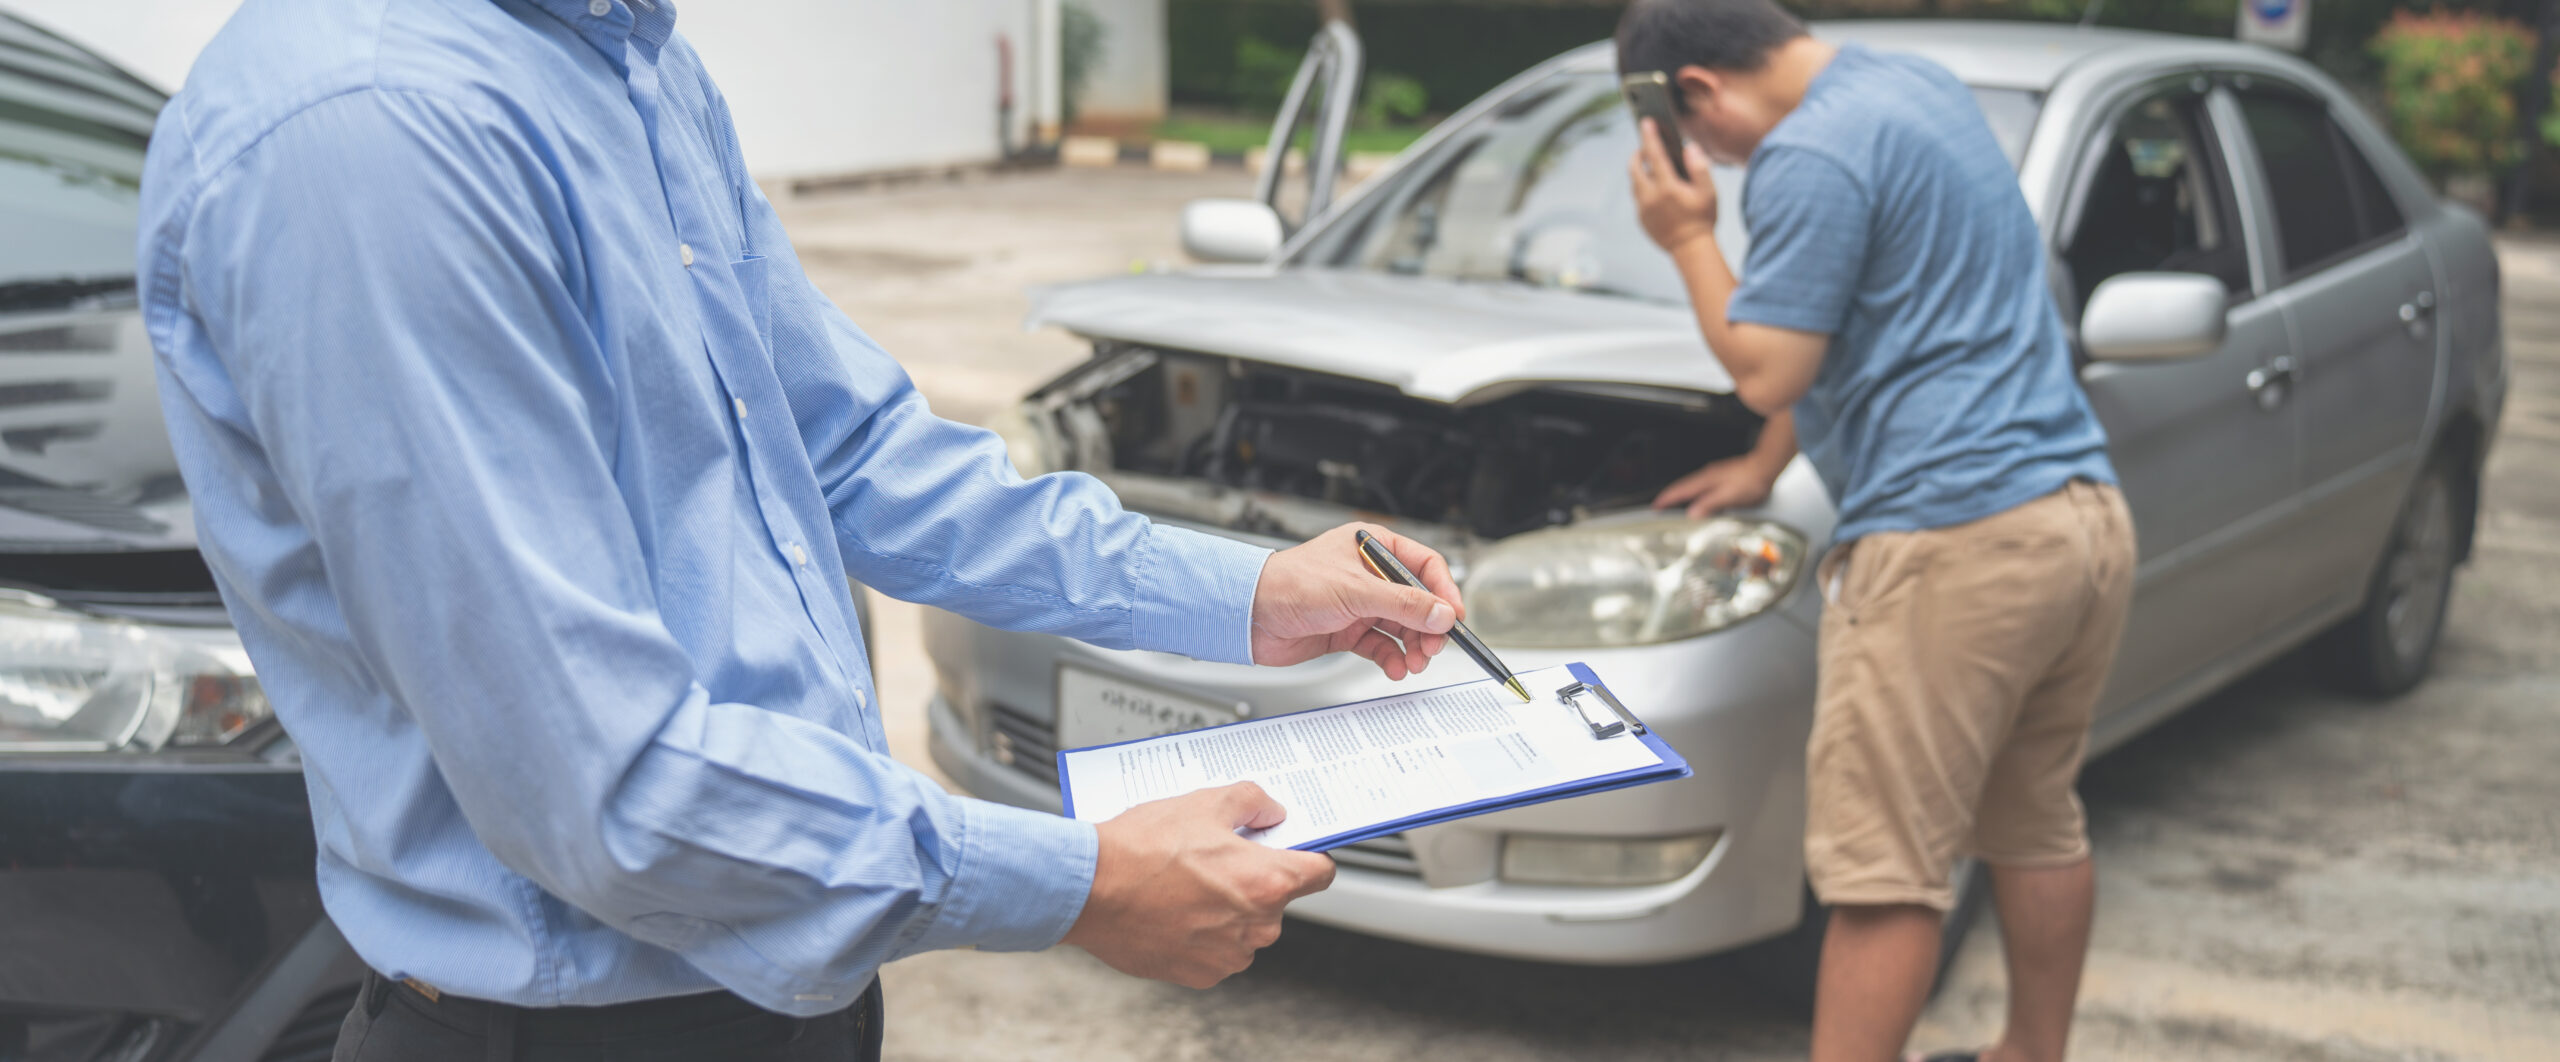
(1235, 134)
(1082, 42)
(2448, 86)
(1392, 99)
(1263, 71)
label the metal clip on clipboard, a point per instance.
(1625, 723)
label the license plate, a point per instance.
(1098, 709)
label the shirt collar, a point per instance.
(610, 24)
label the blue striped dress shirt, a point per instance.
(531, 467)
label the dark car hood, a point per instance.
(1442, 340)
(85, 463)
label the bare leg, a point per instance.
(2044, 934)
(1877, 963)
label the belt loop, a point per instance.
(377, 991)
(502, 1032)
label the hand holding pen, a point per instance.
(1382, 560)
(1324, 597)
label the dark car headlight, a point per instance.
(75, 682)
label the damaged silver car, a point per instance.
(2294, 346)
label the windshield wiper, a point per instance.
(56, 293)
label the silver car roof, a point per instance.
(1991, 53)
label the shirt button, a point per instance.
(685, 251)
(799, 555)
(860, 700)
(741, 405)
(599, 8)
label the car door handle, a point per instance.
(2419, 307)
(2272, 382)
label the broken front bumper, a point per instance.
(1736, 703)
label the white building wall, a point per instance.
(818, 87)
(1132, 85)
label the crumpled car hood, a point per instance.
(1434, 339)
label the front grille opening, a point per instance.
(1390, 854)
(177, 572)
(1027, 745)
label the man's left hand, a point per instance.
(1675, 210)
(1320, 597)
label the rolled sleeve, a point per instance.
(1808, 220)
(1195, 595)
(1023, 880)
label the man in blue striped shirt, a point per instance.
(532, 469)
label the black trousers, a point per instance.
(393, 1022)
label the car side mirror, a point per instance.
(1230, 230)
(2154, 317)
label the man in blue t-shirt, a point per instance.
(1893, 322)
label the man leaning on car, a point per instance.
(1892, 320)
(532, 468)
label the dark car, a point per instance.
(157, 899)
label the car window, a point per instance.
(2157, 199)
(2329, 202)
(1535, 192)
(2375, 209)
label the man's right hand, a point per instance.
(1733, 483)
(1178, 897)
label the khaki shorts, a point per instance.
(1959, 669)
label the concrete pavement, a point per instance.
(2284, 873)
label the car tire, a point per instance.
(1787, 966)
(2388, 645)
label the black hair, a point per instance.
(1738, 35)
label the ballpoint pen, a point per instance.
(1383, 561)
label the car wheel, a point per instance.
(2385, 648)
(1787, 965)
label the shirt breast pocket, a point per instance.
(752, 272)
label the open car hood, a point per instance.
(1434, 339)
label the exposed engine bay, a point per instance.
(1534, 458)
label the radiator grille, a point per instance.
(312, 1034)
(1023, 743)
(1389, 854)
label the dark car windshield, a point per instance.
(85, 464)
(1535, 192)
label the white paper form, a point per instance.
(1356, 766)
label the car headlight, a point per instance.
(1636, 582)
(72, 682)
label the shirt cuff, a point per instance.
(1195, 595)
(1022, 881)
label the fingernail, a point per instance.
(1441, 618)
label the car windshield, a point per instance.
(1535, 192)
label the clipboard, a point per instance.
(1595, 711)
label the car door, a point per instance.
(2359, 292)
(2204, 447)
(1320, 99)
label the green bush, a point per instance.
(1082, 41)
(2448, 84)
(1392, 99)
(1263, 71)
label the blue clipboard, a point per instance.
(1672, 767)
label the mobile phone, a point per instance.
(1649, 96)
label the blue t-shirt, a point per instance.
(1883, 214)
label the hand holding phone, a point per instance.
(1649, 96)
